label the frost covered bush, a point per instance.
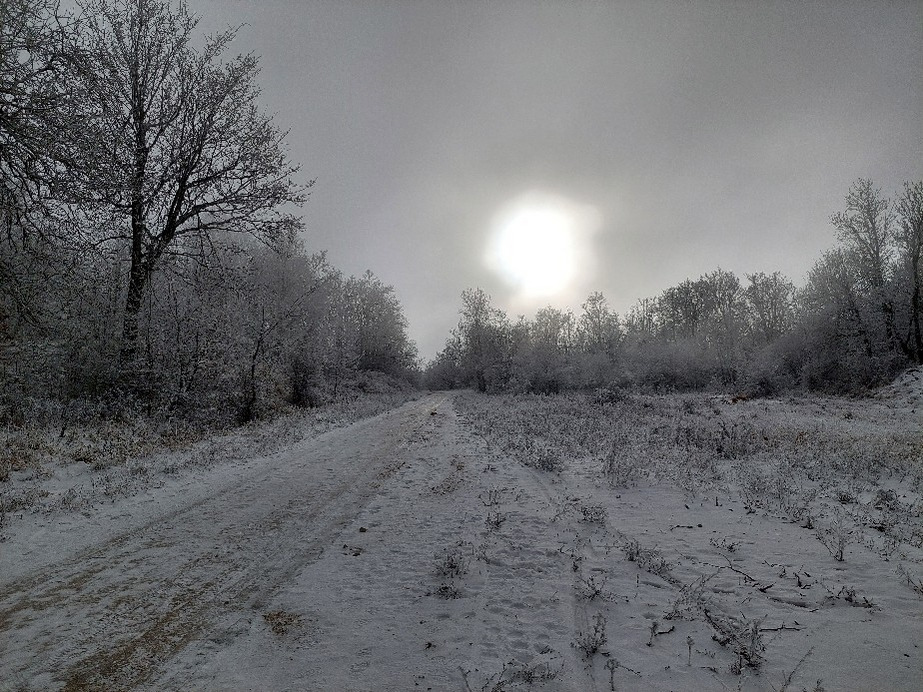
(590, 642)
(451, 563)
(607, 396)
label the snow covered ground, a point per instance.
(466, 542)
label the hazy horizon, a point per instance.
(685, 136)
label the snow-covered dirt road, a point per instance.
(115, 613)
(420, 550)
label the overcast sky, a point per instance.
(693, 134)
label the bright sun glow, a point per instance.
(535, 249)
(538, 244)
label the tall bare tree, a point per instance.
(770, 302)
(379, 327)
(866, 231)
(598, 326)
(484, 334)
(171, 147)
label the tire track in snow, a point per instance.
(108, 616)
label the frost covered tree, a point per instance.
(171, 149)
(683, 309)
(544, 351)
(34, 55)
(146, 233)
(598, 329)
(378, 326)
(770, 302)
(910, 244)
(483, 333)
(641, 320)
(865, 231)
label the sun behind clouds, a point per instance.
(539, 244)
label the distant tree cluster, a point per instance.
(854, 324)
(147, 240)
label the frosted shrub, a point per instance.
(607, 397)
(589, 643)
(837, 536)
(451, 563)
(593, 514)
(619, 464)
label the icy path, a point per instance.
(114, 614)
(376, 612)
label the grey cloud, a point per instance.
(707, 133)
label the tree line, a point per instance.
(853, 325)
(149, 250)
(149, 236)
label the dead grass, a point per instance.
(281, 622)
(849, 472)
(591, 641)
(828, 463)
(124, 453)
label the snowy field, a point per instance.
(614, 541)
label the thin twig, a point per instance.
(465, 678)
(788, 678)
(739, 571)
(780, 628)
